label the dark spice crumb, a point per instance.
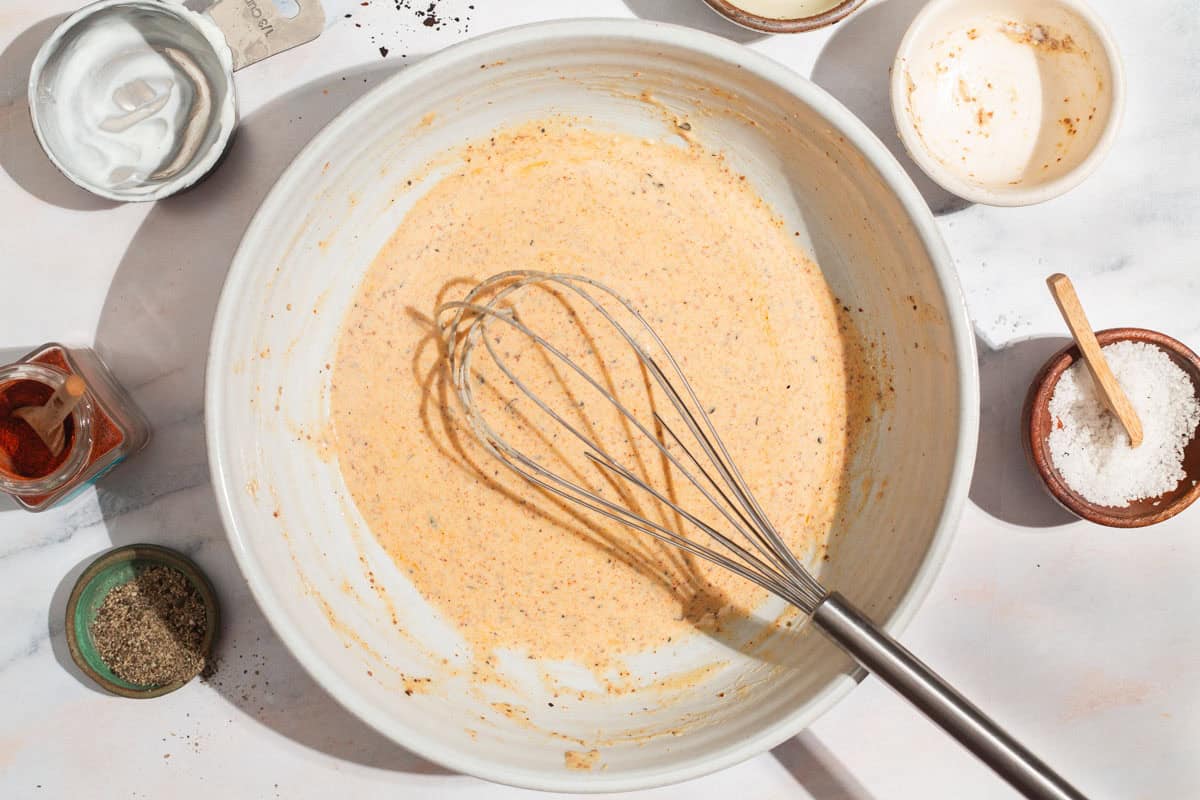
(436, 15)
(383, 51)
(150, 631)
(211, 666)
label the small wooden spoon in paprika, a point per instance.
(47, 420)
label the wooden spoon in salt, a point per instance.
(1106, 383)
(47, 420)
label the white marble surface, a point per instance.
(1082, 639)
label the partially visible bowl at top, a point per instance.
(1007, 102)
(784, 16)
(346, 610)
(1038, 423)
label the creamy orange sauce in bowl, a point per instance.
(722, 275)
(776, 248)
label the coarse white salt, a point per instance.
(1089, 447)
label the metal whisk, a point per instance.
(749, 544)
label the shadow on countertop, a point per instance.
(855, 67)
(1004, 484)
(153, 333)
(818, 770)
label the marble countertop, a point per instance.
(1081, 639)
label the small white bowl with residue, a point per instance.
(1007, 102)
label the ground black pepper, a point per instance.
(150, 631)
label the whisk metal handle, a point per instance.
(917, 683)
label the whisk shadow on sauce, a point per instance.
(675, 570)
(703, 605)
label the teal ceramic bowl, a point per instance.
(113, 568)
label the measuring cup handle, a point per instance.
(917, 683)
(254, 29)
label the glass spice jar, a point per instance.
(103, 430)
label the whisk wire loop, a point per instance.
(771, 564)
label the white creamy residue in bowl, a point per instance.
(1002, 101)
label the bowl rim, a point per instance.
(1019, 196)
(468, 55)
(1037, 447)
(757, 22)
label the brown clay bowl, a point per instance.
(754, 22)
(1037, 423)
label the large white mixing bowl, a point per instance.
(341, 605)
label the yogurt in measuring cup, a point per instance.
(134, 99)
